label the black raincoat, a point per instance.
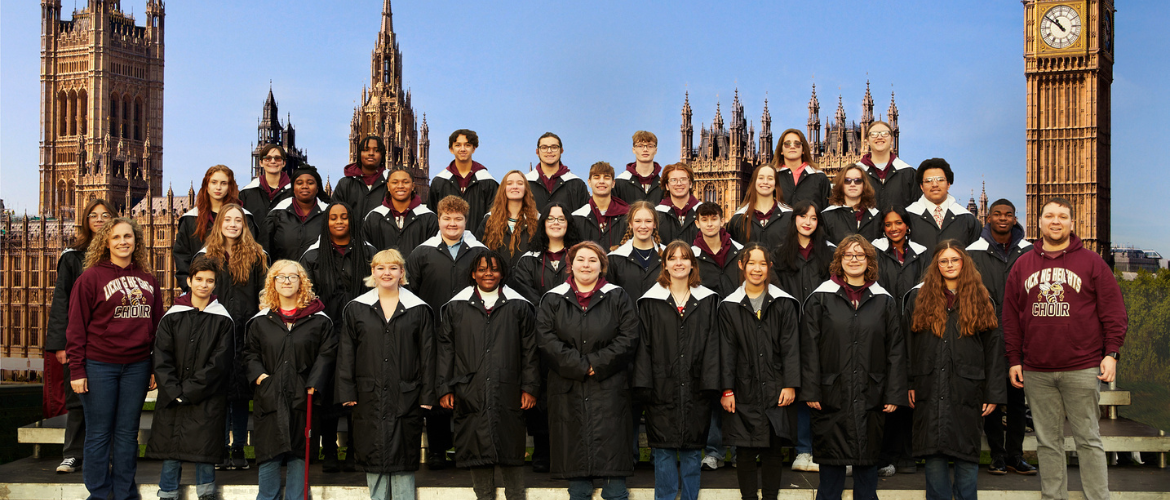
(900, 187)
(242, 301)
(814, 186)
(722, 280)
(434, 276)
(288, 237)
(769, 234)
(187, 245)
(535, 274)
(842, 221)
(380, 228)
(479, 194)
(810, 273)
(626, 272)
(899, 277)
(958, 224)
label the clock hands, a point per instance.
(1057, 23)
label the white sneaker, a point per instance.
(712, 462)
(804, 463)
(886, 471)
(848, 471)
(68, 465)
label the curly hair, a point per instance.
(976, 312)
(634, 208)
(99, 246)
(540, 243)
(246, 253)
(694, 279)
(496, 226)
(203, 199)
(868, 198)
(270, 299)
(871, 263)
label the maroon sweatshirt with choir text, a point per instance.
(113, 314)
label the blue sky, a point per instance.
(594, 72)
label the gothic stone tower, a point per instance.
(270, 131)
(1068, 61)
(386, 111)
(101, 130)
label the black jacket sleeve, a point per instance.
(445, 351)
(186, 244)
(710, 376)
(346, 387)
(790, 344)
(163, 357)
(322, 371)
(562, 358)
(68, 269)
(727, 348)
(810, 335)
(617, 355)
(897, 390)
(530, 374)
(996, 367)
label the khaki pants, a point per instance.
(1054, 396)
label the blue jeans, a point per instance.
(669, 465)
(294, 483)
(113, 406)
(399, 486)
(235, 432)
(715, 446)
(803, 430)
(612, 488)
(832, 484)
(938, 479)
(172, 470)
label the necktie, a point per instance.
(938, 216)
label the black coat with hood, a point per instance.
(353, 191)
(434, 276)
(720, 279)
(900, 187)
(952, 378)
(958, 224)
(760, 358)
(809, 273)
(994, 263)
(769, 234)
(69, 268)
(380, 227)
(193, 357)
(487, 359)
(242, 301)
(842, 221)
(676, 368)
(536, 274)
(479, 194)
(187, 245)
(295, 359)
(521, 246)
(335, 285)
(671, 227)
(814, 186)
(854, 363)
(899, 277)
(256, 201)
(388, 367)
(626, 272)
(589, 415)
(609, 238)
(288, 236)
(630, 189)
(568, 189)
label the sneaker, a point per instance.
(68, 465)
(804, 463)
(712, 462)
(886, 471)
(239, 461)
(226, 464)
(848, 471)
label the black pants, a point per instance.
(1007, 441)
(326, 430)
(537, 422)
(771, 465)
(833, 482)
(897, 440)
(74, 420)
(483, 482)
(439, 436)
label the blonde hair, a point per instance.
(246, 254)
(387, 256)
(270, 299)
(99, 246)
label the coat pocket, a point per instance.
(875, 393)
(410, 392)
(969, 385)
(831, 396)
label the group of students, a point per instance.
(809, 318)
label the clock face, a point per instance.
(1060, 27)
(1107, 33)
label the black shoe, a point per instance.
(239, 461)
(226, 464)
(347, 464)
(997, 467)
(906, 467)
(1019, 466)
(438, 461)
(331, 466)
(541, 466)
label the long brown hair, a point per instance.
(634, 208)
(805, 149)
(871, 263)
(868, 197)
(246, 254)
(749, 199)
(99, 246)
(497, 223)
(83, 236)
(270, 299)
(976, 313)
(694, 279)
(203, 199)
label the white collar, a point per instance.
(659, 292)
(213, 308)
(627, 249)
(405, 297)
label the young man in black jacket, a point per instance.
(464, 178)
(640, 181)
(552, 181)
(364, 184)
(936, 216)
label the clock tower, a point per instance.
(1068, 66)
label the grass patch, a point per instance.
(1151, 404)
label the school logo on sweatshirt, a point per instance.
(1051, 284)
(135, 303)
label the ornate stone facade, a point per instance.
(101, 106)
(269, 130)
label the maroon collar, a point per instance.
(881, 172)
(617, 208)
(388, 202)
(271, 191)
(724, 246)
(550, 183)
(464, 181)
(584, 298)
(632, 168)
(680, 212)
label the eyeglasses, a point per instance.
(853, 180)
(558, 220)
(274, 158)
(879, 133)
(792, 144)
(645, 145)
(286, 278)
(853, 256)
(102, 216)
(548, 148)
(931, 180)
(950, 262)
(678, 181)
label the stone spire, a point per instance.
(766, 135)
(892, 119)
(814, 120)
(687, 130)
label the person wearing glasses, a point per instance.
(854, 366)
(797, 177)
(603, 219)
(640, 180)
(893, 181)
(267, 190)
(289, 355)
(464, 178)
(853, 209)
(552, 181)
(364, 185)
(676, 213)
(69, 267)
(936, 216)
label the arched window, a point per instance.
(72, 117)
(710, 194)
(82, 112)
(138, 119)
(125, 119)
(62, 114)
(114, 115)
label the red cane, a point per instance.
(308, 429)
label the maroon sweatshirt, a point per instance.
(1062, 313)
(113, 313)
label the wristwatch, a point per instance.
(1115, 355)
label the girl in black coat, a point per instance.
(488, 375)
(289, 354)
(271, 187)
(295, 223)
(760, 348)
(588, 332)
(192, 367)
(218, 190)
(636, 264)
(337, 264)
(677, 367)
(852, 208)
(901, 261)
(854, 368)
(512, 222)
(957, 374)
(385, 371)
(763, 218)
(242, 265)
(798, 179)
(401, 222)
